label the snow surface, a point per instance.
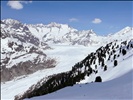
(120, 88)
(115, 86)
(124, 66)
(117, 83)
(66, 57)
(52, 31)
(13, 61)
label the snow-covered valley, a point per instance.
(66, 56)
(116, 83)
(55, 50)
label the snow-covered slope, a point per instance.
(117, 89)
(21, 52)
(66, 56)
(54, 33)
(24, 53)
(62, 33)
(108, 62)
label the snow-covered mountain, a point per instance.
(60, 33)
(21, 52)
(105, 64)
(57, 55)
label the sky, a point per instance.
(104, 17)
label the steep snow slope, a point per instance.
(117, 89)
(124, 66)
(52, 32)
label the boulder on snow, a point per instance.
(98, 79)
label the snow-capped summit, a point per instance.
(11, 21)
(53, 24)
(63, 33)
(40, 25)
(125, 30)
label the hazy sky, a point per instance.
(101, 16)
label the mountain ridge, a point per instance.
(62, 33)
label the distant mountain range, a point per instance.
(58, 33)
(23, 54)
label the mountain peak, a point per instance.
(40, 25)
(88, 31)
(11, 21)
(91, 31)
(53, 24)
(125, 30)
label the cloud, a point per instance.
(17, 4)
(97, 21)
(73, 20)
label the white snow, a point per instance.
(117, 82)
(124, 66)
(120, 88)
(117, 89)
(66, 57)
(52, 31)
